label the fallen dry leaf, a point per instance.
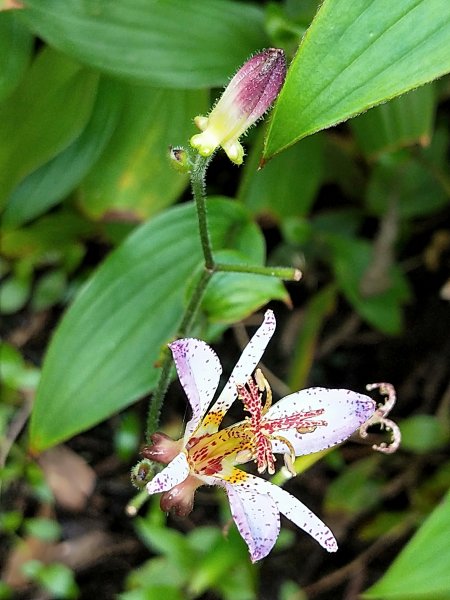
(70, 478)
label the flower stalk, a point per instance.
(248, 96)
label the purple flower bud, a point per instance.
(247, 97)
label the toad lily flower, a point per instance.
(246, 98)
(301, 423)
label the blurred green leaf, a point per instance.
(47, 239)
(109, 341)
(173, 43)
(420, 571)
(356, 489)
(169, 542)
(10, 521)
(49, 290)
(288, 184)
(127, 436)
(317, 310)
(56, 578)
(54, 180)
(47, 530)
(350, 259)
(14, 371)
(412, 181)
(16, 43)
(423, 433)
(215, 565)
(231, 297)
(14, 293)
(46, 111)
(133, 175)
(400, 122)
(5, 591)
(383, 523)
(151, 577)
(154, 592)
(355, 56)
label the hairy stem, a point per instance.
(198, 172)
(285, 273)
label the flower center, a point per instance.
(263, 430)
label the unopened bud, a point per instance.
(247, 97)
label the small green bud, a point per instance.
(142, 473)
(179, 159)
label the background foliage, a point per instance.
(97, 265)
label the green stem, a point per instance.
(285, 273)
(198, 172)
(165, 376)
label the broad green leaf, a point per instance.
(420, 571)
(174, 43)
(47, 110)
(233, 296)
(45, 239)
(351, 258)
(134, 175)
(356, 55)
(287, 186)
(16, 43)
(400, 122)
(52, 182)
(103, 354)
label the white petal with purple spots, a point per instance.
(175, 472)
(344, 411)
(199, 372)
(256, 517)
(295, 511)
(247, 363)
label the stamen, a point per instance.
(264, 386)
(289, 457)
(379, 418)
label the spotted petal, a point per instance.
(245, 366)
(199, 372)
(256, 517)
(343, 410)
(295, 511)
(175, 472)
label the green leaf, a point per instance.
(356, 55)
(169, 542)
(316, 312)
(400, 122)
(134, 175)
(350, 260)
(49, 290)
(16, 44)
(231, 297)
(423, 433)
(54, 180)
(103, 354)
(288, 184)
(14, 294)
(420, 572)
(43, 115)
(45, 529)
(415, 182)
(173, 43)
(355, 489)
